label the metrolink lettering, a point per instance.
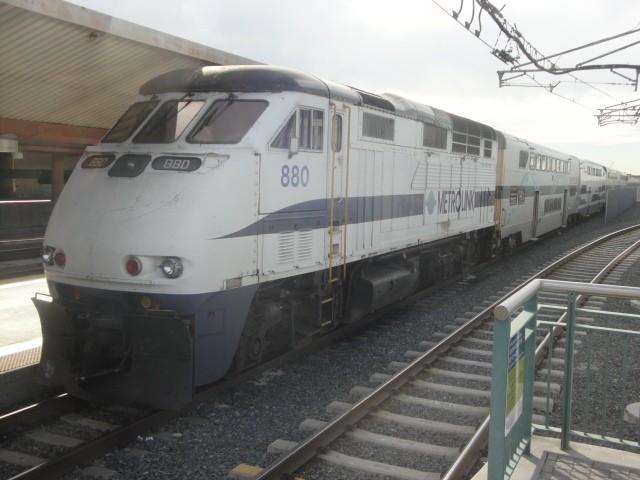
(455, 200)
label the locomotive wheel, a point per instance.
(255, 349)
(250, 350)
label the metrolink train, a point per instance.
(236, 212)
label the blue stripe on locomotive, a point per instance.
(361, 209)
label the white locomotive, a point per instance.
(234, 212)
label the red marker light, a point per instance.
(60, 259)
(133, 266)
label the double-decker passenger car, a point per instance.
(536, 190)
(593, 187)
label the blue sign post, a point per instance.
(512, 390)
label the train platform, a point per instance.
(20, 335)
(581, 462)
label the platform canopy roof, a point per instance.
(68, 71)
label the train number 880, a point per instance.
(294, 176)
(180, 164)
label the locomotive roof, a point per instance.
(238, 78)
(268, 78)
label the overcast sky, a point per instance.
(415, 49)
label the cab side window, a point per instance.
(311, 129)
(283, 138)
(307, 124)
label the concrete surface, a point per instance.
(581, 462)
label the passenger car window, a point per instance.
(524, 158)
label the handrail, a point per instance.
(514, 364)
(334, 110)
(345, 222)
(511, 304)
(345, 199)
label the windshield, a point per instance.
(168, 123)
(129, 122)
(228, 121)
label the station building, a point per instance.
(68, 73)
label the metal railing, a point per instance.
(605, 363)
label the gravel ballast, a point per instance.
(214, 437)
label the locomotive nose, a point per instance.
(48, 369)
(106, 353)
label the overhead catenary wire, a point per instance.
(541, 63)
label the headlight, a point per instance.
(171, 267)
(47, 255)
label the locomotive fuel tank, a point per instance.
(380, 284)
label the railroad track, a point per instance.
(70, 432)
(427, 417)
(73, 432)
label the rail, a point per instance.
(514, 363)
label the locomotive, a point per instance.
(234, 212)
